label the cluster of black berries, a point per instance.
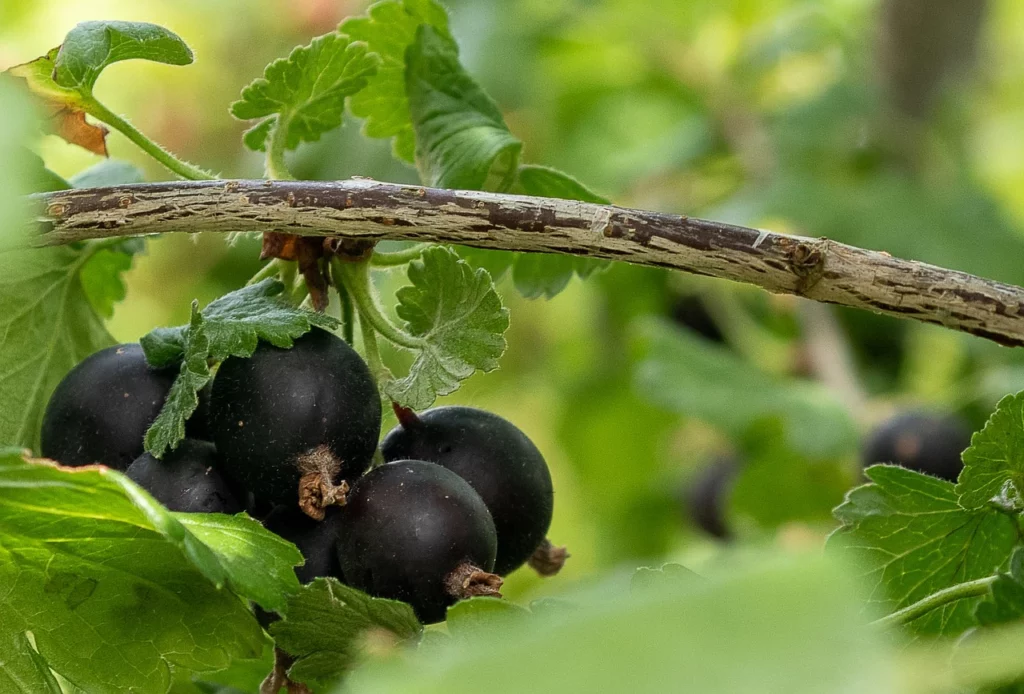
(463, 498)
(927, 442)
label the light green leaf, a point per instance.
(92, 46)
(461, 137)
(910, 538)
(667, 577)
(458, 315)
(687, 375)
(232, 325)
(47, 325)
(109, 172)
(784, 628)
(115, 589)
(22, 669)
(389, 28)
(994, 464)
(327, 624)
(477, 618)
(305, 93)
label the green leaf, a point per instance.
(168, 429)
(910, 538)
(115, 589)
(785, 628)
(261, 564)
(327, 624)
(1007, 601)
(666, 577)
(109, 172)
(41, 179)
(458, 315)
(305, 93)
(389, 28)
(24, 671)
(229, 326)
(92, 46)
(47, 325)
(461, 137)
(685, 374)
(478, 617)
(994, 464)
(101, 276)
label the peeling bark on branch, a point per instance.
(818, 269)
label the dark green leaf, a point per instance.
(168, 429)
(1007, 601)
(389, 28)
(994, 464)
(305, 93)
(115, 589)
(232, 325)
(101, 276)
(687, 375)
(92, 46)
(457, 313)
(461, 137)
(327, 624)
(910, 538)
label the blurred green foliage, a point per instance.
(761, 113)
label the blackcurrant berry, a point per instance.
(316, 540)
(924, 441)
(690, 311)
(706, 496)
(185, 479)
(292, 425)
(101, 410)
(500, 463)
(416, 532)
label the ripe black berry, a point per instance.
(293, 424)
(924, 441)
(500, 463)
(316, 540)
(416, 532)
(101, 410)
(706, 496)
(185, 479)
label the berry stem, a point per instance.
(356, 279)
(271, 269)
(970, 589)
(182, 168)
(396, 258)
(406, 416)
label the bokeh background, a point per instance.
(892, 124)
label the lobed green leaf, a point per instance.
(389, 27)
(459, 317)
(327, 624)
(305, 93)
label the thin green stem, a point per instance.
(269, 270)
(385, 259)
(356, 278)
(970, 589)
(348, 316)
(182, 168)
(371, 350)
(277, 167)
